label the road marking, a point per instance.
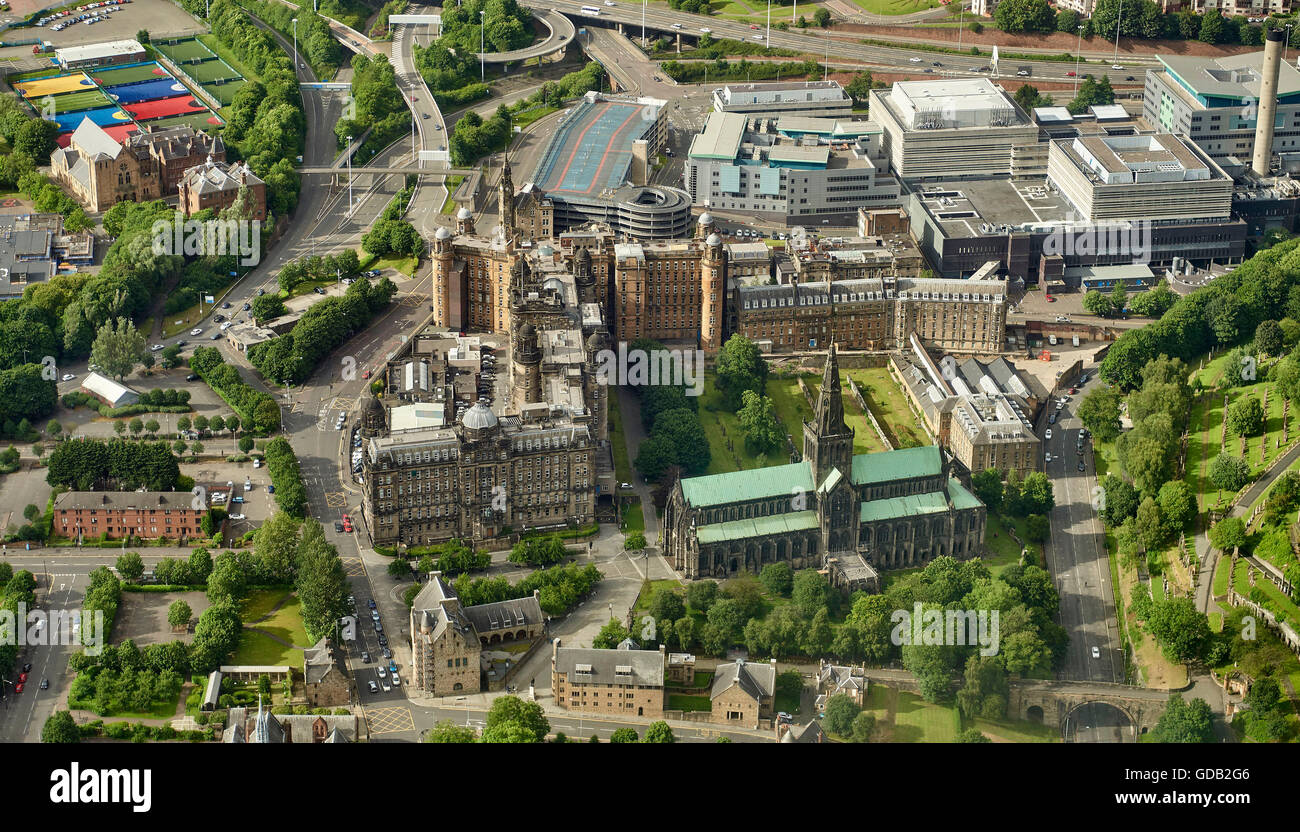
(353, 568)
(335, 499)
(389, 720)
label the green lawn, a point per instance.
(889, 405)
(256, 649)
(622, 466)
(1002, 550)
(226, 55)
(865, 438)
(647, 595)
(286, 623)
(1222, 571)
(896, 6)
(157, 710)
(791, 407)
(532, 114)
(681, 702)
(260, 602)
(633, 518)
(452, 183)
(1014, 731)
(1206, 440)
(702, 679)
(906, 717)
(721, 425)
(787, 702)
(1216, 622)
(405, 265)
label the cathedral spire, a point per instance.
(830, 401)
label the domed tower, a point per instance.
(583, 276)
(443, 265)
(705, 227)
(506, 200)
(464, 221)
(373, 418)
(713, 287)
(595, 384)
(479, 422)
(527, 358)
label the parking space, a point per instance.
(19, 489)
(158, 16)
(142, 616)
(239, 488)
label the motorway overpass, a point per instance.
(561, 34)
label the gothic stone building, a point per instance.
(885, 511)
(447, 639)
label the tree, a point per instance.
(1099, 411)
(60, 728)
(864, 726)
(130, 566)
(987, 485)
(1037, 528)
(740, 367)
(624, 735)
(183, 423)
(668, 605)
(1029, 98)
(972, 735)
(152, 427)
(1095, 303)
(137, 426)
(526, 715)
(1228, 534)
(1150, 525)
(1246, 416)
(1182, 630)
(1024, 16)
(1268, 337)
(659, 731)
(142, 36)
(841, 710)
(1185, 722)
(811, 591)
(1229, 473)
(36, 140)
(1177, 503)
(179, 614)
(763, 430)
(610, 635)
(245, 444)
(985, 691)
(399, 568)
(117, 347)
(450, 732)
(778, 578)
(1036, 496)
(54, 428)
(822, 17)
(859, 89)
(701, 595)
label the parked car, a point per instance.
(320, 290)
(373, 687)
(69, 376)
(338, 527)
(156, 348)
(45, 684)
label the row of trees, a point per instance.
(342, 266)
(114, 465)
(561, 587)
(539, 551)
(286, 476)
(378, 104)
(15, 588)
(293, 357)
(257, 411)
(1136, 19)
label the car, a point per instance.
(1047, 457)
(248, 307)
(1129, 78)
(371, 603)
(22, 677)
(1023, 73)
(1065, 398)
(677, 25)
(237, 517)
(1078, 449)
(758, 37)
(1069, 74)
(1116, 66)
(157, 347)
(1051, 419)
(1051, 298)
(1096, 654)
(381, 671)
(260, 292)
(1048, 435)
(320, 290)
(45, 684)
(227, 325)
(365, 373)
(384, 684)
(338, 527)
(373, 687)
(1074, 389)
(397, 680)
(936, 63)
(915, 60)
(18, 688)
(1060, 405)
(1083, 379)
(1081, 467)
(373, 273)
(182, 343)
(225, 305)
(27, 668)
(216, 336)
(257, 463)
(422, 115)
(657, 78)
(927, 69)
(218, 318)
(270, 489)
(388, 654)
(374, 612)
(382, 639)
(69, 376)
(236, 499)
(379, 626)
(705, 29)
(753, 25)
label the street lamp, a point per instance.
(1078, 45)
(643, 40)
(349, 175)
(1115, 58)
(769, 24)
(1286, 42)
(482, 15)
(794, 11)
(295, 46)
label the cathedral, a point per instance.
(853, 515)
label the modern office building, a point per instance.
(1216, 101)
(826, 99)
(793, 169)
(949, 129)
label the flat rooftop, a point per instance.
(961, 207)
(1218, 82)
(591, 151)
(720, 138)
(953, 103)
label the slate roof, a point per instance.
(94, 141)
(501, 615)
(592, 666)
(812, 732)
(741, 486)
(757, 680)
(215, 177)
(72, 500)
(318, 661)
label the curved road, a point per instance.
(562, 34)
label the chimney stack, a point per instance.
(1267, 102)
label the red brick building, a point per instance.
(151, 514)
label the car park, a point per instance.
(373, 687)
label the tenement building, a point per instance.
(448, 639)
(883, 511)
(83, 515)
(622, 681)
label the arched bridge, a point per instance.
(1054, 702)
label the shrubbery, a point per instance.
(282, 465)
(257, 411)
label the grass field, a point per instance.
(791, 407)
(622, 466)
(76, 101)
(889, 406)
(896, 6)
(260, 602)
(1014, 731)
(865, 438)
(186, 50)
(906, 717)
(207, 71)
(220, 50)
(1222, 571)
(449, 204)
(722, 426)
(681, 702)
(633, 518)
(199, 121)
(647, 594)
(225, 93)
(255, 648)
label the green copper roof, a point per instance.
(961, 498)
(914, 505)
(907, 463)
(741, 486)
(757, 527)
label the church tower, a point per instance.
(827, 440)
(713, 287)
(506, 200)
(445, 296)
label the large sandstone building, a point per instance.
(99, 172)
(852, 514)
(624, 681)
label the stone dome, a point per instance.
(583, 255)
(479, 417)
(714, 239)
(527, 331)
(706, 218)
(595, 342)
(442, 233)
(464, 214)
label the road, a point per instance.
(1076, 554)
(22, 715)
(661, 20)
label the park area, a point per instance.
(273, 630)
(906, 717)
